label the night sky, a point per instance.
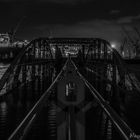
(70, 18)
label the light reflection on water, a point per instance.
(13, 110)
(3, 119)
(3, 111)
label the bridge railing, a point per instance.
(36, 52)
(10, 69)
(22, 130)
(111, 79)
(119, 128)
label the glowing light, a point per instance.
(53, 49)
(113, 45)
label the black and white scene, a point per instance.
(69, 70)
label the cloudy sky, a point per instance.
(70, 18)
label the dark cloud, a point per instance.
(114, 12)
(68, 1)
(51, 1)
(96, 28)
(128, 19)
(69, 18)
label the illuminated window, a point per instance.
(71, 92)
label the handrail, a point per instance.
(107, 80)
(10, 69)
(123, 66)
(21, 131)
(120, 125)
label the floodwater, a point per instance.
(12, 110)
(14, 107)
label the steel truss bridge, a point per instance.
(79, 97)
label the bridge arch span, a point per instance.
(92, 60)
(93, 55)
